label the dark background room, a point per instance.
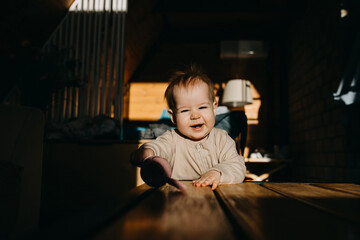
(76, 80)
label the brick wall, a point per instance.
(323, 145)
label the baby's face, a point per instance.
(195, 112)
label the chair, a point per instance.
(235, 123)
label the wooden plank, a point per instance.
(85, 224)
(170, 214)
(146, 101)
(344, 187)
(341, 204)
(118, 207)
(264, 214)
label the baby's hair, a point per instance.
(188, 77)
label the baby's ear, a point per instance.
(172, 116)
(215, 105)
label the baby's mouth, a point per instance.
(197, 126)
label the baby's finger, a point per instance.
(200, 182)
(197, 183)
(207, 181)
(214, 185)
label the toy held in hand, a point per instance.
(156, 171)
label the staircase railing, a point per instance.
(86, 53)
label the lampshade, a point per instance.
(237, 93)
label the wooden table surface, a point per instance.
(239, 211)
(249, 210)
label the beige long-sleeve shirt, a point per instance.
(189, 159)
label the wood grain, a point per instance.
(343, 187)
(119, 209)
(265, 214)
(146, 101)
(170, 214)
(341, 204)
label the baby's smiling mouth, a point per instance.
(197, 126)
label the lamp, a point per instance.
(243, 49)
(237, 93)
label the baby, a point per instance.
(195, 150)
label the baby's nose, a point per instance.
(194, 115)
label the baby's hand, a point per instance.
(211, 177)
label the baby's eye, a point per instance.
(203, 107)
(184, 110)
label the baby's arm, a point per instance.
(211, 177)
(231, 167)
(159, 147)
(137, 157)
